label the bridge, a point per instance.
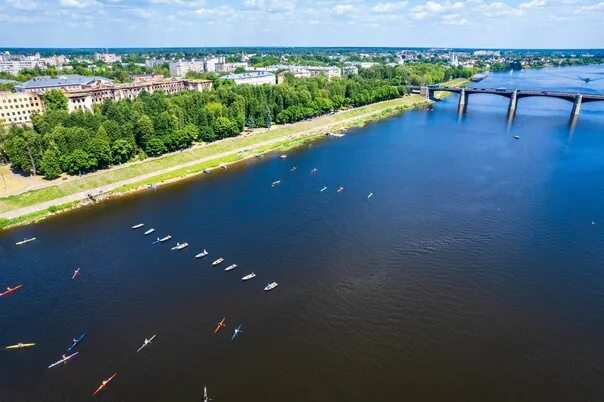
(577, 99)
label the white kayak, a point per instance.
(148, 232)
(138, 226)
(248, 277)
(271, 286)
(231, 267)
(202, 254)
(24, 241)
(218, 261)
(180, 246)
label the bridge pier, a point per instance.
(462, 106)
(574, 114)
(512, 105)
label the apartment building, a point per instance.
(182, 67)
(17, 108)
(40, 85)
(107, 58)
(252, 78)
(13, 67)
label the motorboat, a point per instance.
(517, 137)
(218, 261)
(284, 156)
(202, 254)
(180, 246)
(271, 286)
(231, 267)
(25, 241)
(148, 232)
(138, 226)
(248, 277)
(314, 170)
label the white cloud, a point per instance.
(78, 3)
(26, 5)
(342, 9)
(384, 8)
(181, 3)
(592, 7)
(499, 9)
(141, 13)
(431, 8)
(270, 5)
(220, 11)
(533, 4)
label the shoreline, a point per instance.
(279, 143)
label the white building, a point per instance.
(230, 67)
(182, 67)
(152, 63)
(17, 108)
(350, 70)
(108, 58)
(66, 82)
(253, 78)
(15, 66)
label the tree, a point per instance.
(122, 151)
(155, 146)
(24, 149)
(239, 70)
(79, 161)
(55, 100)
(268, 119)
(225, 127)
(50, 164)
(99, 148)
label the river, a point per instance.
(474, 273)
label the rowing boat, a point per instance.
(10, 290)
(236, 332)
(24, 241)
(202, 254)
(180, 246)
(218, 261)
(324, 188)
(104, 384)
(231, 267)
(138, 226)
(20, 345)
(75, 273)
(64, 359)
(370, 195)
(145, 343)
(340, 189)
(248, 277)
(148, 232)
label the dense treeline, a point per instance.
(153, 124)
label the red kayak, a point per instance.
(220, 325)
(10, 290)
(104, 384)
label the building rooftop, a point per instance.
(64, 80)
(3, 81)
(254, 74)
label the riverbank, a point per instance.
(34, 205)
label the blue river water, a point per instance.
(474, 272)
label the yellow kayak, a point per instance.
(21, 345)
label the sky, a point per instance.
(203, 23)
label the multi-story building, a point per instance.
(230, 67)
(66, 82)
(15, 66)
(252, 78)
(55, 61)
(306, 71)
(84, 99)
(108, 58)
(350, 70)
(17, 108)
(152, 63)
(182, 67)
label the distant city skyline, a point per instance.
(201, 23)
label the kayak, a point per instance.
(231, 267)
(10, 290)
(145, 343)
(220, 325)
(104, 384)
(24, 241)
(76, 342)
(20, 346)
(75, 273)
(64, 359)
